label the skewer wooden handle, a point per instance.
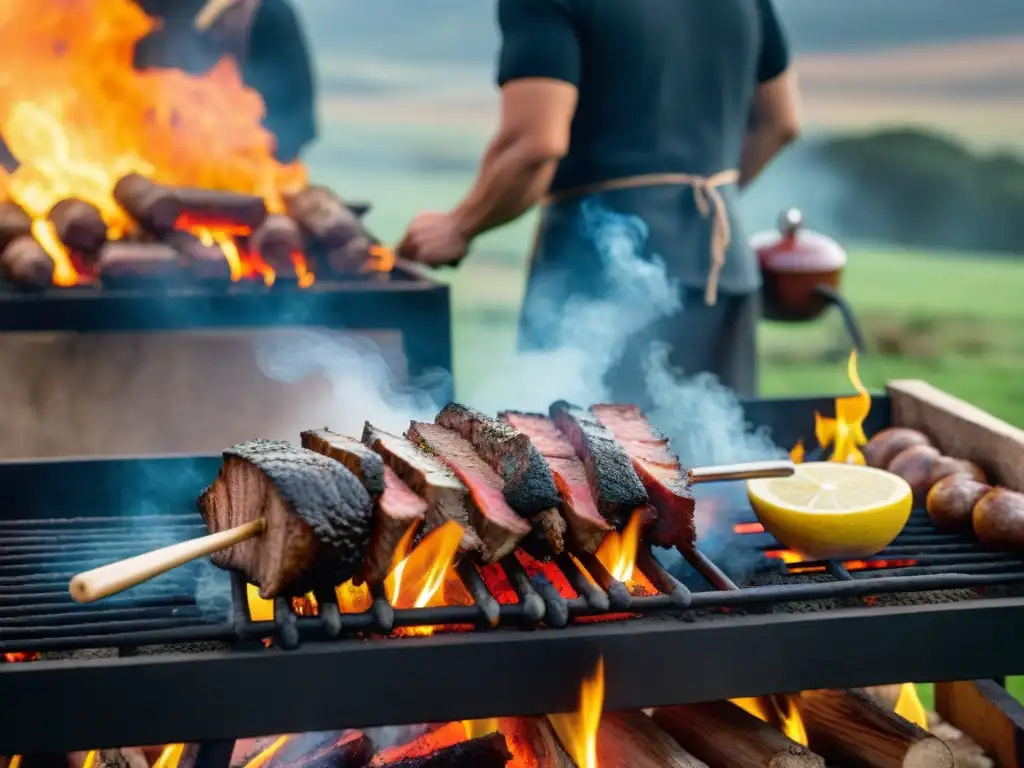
(116, 577)
(209, 13)
(751, 470)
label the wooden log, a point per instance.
(633, 740)
(275, 240)
(26, 264)
(351, 750)
(124, 264)
(324, 217)
(351, 258)
(153, 206)
(205, 263)
(215, 207)
(489, 751)
(14, 223)
(849, 728)
(961, 430)
(80, 226)
(125, 757)
(534, 737)
(725, 736)
(986, 712)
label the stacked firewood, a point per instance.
(163, 245)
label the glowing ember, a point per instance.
(578, 731)
(744, 528)
(265, 756)
(77, 116)
(477, 728)
(382, 259)
(170, 756)
(617, 553)
(19, 656)
(845, 433)
(909, 706)
(778, 711)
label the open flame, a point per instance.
(578, 731)
(170, 756)
(267, 754)
(77, 116)
(909, 706)
(845, 433)
(779, 711)
(617, 554)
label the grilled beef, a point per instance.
(613, 481)
(528, 484)
(396, 507)
(587, 528)
(666, 481)
(317, 516)
(447, 498)
(500, 529)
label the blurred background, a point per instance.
(911, 157)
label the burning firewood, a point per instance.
(632, 740)
(26, 264)
(489, 751)
(848, 727)
(213, 207)
(124, 263)
(275, 240)
(350, 750)
(14, 223)
(725, 736)
(79, 225)
(206, 263)
(533, 737)
(154, 207)
(324, 217)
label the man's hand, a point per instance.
(434, 239)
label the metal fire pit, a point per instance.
(185, 669)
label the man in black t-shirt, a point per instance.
(662, 109)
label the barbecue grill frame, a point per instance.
(408, 300)
(649, 662)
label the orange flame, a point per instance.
(617, 554)
(382, 259)
(477, 728)
(796, 455)
(845, 433)
(909, 706)
(265, 756)
(15, 762)
(170, 756)
(779, 711)
(77, 116)
(90, 760)
(578, 731)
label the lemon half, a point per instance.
(829, 511)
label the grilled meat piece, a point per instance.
(317, 517)
(396, 508)
(447, 498)
(613, 481)
(500, 529)
(666, 480)
(587, 528)
(529, 486)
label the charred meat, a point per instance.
(586, 527)
(446, 497)
(613, 481)
(317, 516)
(666, 481)
(396, 507)
(500, 529)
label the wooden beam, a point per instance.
(987, 713)
(960, 429)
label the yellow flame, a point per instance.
(909, 706)
(264, 757)
(421, 575)
(578, 731)
(797, 454)
(845, 433)
(783, 712)
(617, 552)
(64, 272)
(90, 760)
(477, 728)
(170, 756)
(15, 762)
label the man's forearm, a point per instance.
(760, 146)
(512, 180)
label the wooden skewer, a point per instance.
(116, 577)
(209, 13)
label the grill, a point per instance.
(188, 662)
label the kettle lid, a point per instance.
(793, 247)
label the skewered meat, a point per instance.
(528, 484)
(317, 516)
(500, 529)
(666, 481)
(447, 498)
(396, 507)
(587, 528)
(613, 481)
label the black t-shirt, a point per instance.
(665, 85)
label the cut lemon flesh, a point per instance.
(831, 488)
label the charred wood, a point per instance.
(14, 223)
(125, 263)
(351, 258)
(351, 750)
(80, 226)
(26, 264)
(848, 727)
(215, 207)
(206, 263)
(489, 751)
(275, 241)
(153, 206)
(632, 740)
(725, 736)
(324, 217)
(533, 736)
